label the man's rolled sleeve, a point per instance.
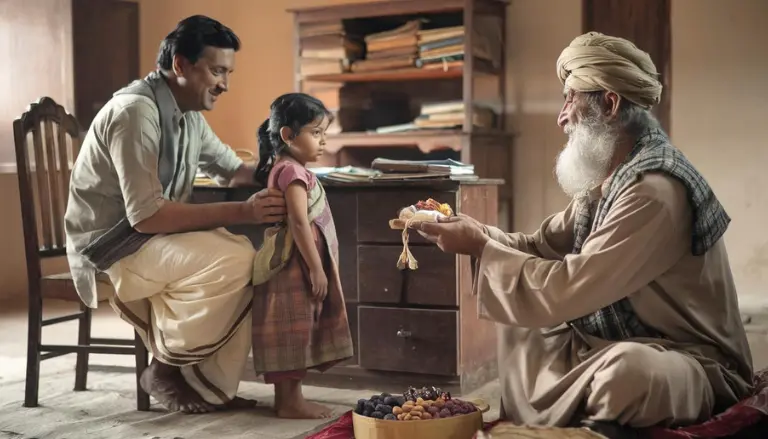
(133, 139)
(217, 160)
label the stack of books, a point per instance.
(327, 49)
(441, 47)
(398, 170)
(392, 49)
(423, 169)
(444, 115)
(202, 179)
(344, 174)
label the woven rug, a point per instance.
(746, 420)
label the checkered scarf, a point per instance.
(652, 153)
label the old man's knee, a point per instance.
(631, 375)
(630, 360)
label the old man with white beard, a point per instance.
(620, 310)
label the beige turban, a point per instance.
(596, 62)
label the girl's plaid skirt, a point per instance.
(286, 333)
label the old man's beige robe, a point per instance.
(552, 374)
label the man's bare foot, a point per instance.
(166, 384)
(238, 403)
(290, 403)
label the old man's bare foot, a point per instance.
(166, 384)
(290, 403)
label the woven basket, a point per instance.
(455, 427)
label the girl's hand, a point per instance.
(319, 284)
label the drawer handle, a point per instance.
(403, 334)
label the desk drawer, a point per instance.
(380, 281)
(376, 208)
(344, 208)
(408, 340)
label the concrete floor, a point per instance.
(107, 409)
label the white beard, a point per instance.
(584, 162)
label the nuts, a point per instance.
(414, 405)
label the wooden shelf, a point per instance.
(425, 140)
(389, 75)
(364, 100)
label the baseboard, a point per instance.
(7, 168)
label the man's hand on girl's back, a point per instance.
(266, 206)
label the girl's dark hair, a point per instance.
(191, 36)
(292, 110)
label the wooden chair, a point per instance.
(44, 169)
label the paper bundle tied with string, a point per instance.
(423, 211)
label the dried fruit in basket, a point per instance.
(415, 405)
(427, 393)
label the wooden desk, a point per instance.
(410, 328)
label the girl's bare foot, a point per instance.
(303, 410)
(290, 403)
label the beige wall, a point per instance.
(714, 122)
(264, 66)
(535, 97)
(719, 110)
(36, 49)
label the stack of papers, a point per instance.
(447, 167)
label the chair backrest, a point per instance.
(44, 166)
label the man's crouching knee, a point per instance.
(641, 386)
(231, 256)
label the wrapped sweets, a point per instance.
(423, 211)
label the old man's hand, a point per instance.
(461, 235)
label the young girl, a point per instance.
(299, 315)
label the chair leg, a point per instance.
(34, 333)
(83, 338)
(142, 359)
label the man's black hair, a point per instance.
(191, 36)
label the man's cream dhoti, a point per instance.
(188, 296)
